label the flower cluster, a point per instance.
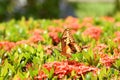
(66, 67)
(117, 38)
(93, 32)
(107, 60)
(7, 45)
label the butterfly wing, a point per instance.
(64, 43)
(68, 44)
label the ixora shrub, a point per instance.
(38, 49)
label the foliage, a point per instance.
(31, 49)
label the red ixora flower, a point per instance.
(74, 26)
(7, 45)
(55, 29)
(71, 19)
(22, 42)
(41, 76)
(71, 22)
(117, 33)
(107, 60)
(38, 31)
(88, 20)
(48, 49)
(93, 32)
(55, 38)
(116, 52)
(108, 18)
(36, 37)
(117, 39)
(66, 67)
(99, 48)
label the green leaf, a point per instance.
(117, 64)
(77, 57)
(51, 73)
(4, 69)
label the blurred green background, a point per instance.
(57, 8)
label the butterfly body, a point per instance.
(68, 43)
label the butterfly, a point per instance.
(68, 44)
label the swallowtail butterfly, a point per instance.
(68, 44)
